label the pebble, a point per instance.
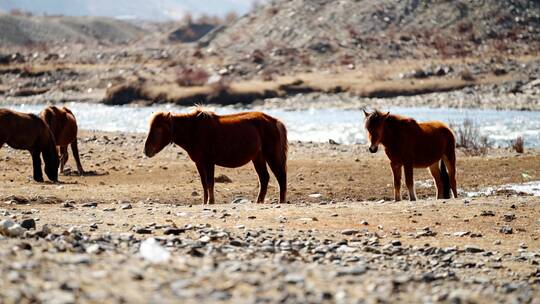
(28, 224)
(174, 231)
(349, 231)
(4, 226)
(126, 206)
(15, 230)
(506, 230)
(473, 249)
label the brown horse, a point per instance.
(409, 144)
(228, 141)
(64, 128)
(28, 132)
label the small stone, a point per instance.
(508, 217)
(15, 230)
(293, 278)
(174, 231)
(143, 231)
(126, 206)
(28, 224)
(68, 204)
(349, 231)
(4, 226)
(352, 271)
(461, 233)
(506, 230)
(89, 205)
(222, 178)
(109, 209)
(396, 243)
(240, 200)
(93, 249)
(487, 213)
(473, 249)
(204, 239)
(497, 242)
(365, 223)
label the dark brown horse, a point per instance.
(28, 132)
(63, 125)
(409, 144)
(228, 141)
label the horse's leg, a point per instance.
(436, 174)
(63, 157)
(210, 183)
(36, 162)
(75, 151)
(279, 168)
(260, 166)
(202, 173)
(450, 162)
(396, 171)
(409, 180)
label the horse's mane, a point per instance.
(401, 119)
(395, 119)
(201, 111)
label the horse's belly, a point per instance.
(233, 163)
(18, 144)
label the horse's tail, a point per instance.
(445, 180)
(283, 144)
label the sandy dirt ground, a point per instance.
(340, 239)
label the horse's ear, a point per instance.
(366, 113)
(386, 115)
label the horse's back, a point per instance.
(62, 123)
(20, 130)
(237, 138)
(438, 129)
(435, 140)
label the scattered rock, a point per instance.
(222, 178)
(153, 252)
(473, 249)
(506, 230)
(28, 224)
(349, 231)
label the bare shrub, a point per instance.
(231, 17)
(518, 144)
(466, 75)
(469, 139)
(221, 86)
(189, 76)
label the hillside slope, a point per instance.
(323, 32)
(22, 30)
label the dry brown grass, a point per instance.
(518, 144)
(469, 139)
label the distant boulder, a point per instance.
(191, 32)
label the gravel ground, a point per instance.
(132, 230)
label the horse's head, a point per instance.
(374, 126)
(50, 157)
(160, 134)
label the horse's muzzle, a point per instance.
(373, 149)
(149, 153)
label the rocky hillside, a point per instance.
(328, 32)
(23, 30)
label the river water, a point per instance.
(317, 125)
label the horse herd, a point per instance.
(234, 140)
